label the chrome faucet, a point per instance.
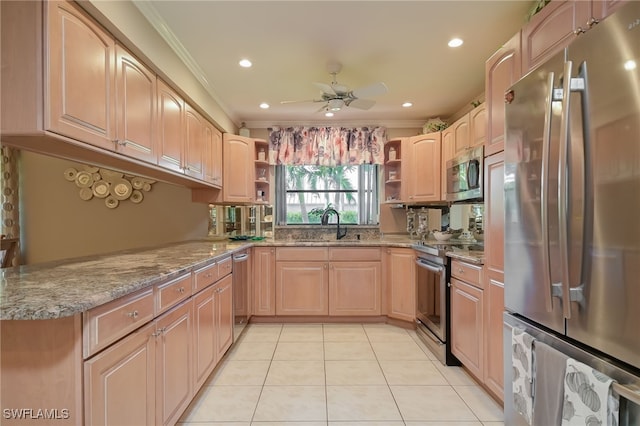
(324, 220)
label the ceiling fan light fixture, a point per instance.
(328, 114)
(335, 104)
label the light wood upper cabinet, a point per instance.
(264, 281)
(194, 143)
(170, 128)
(461, 135)
(135, 107)
(401, 283)
(447, 150)
(120, 382)
(174, 375)
(212, 155)
(238, 169)
(80, 76)
(551, 30)
(502, 70)
(394, 188)
(422, 153)
(478, 126)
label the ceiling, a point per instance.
(400, 43)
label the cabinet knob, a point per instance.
(181, 290)
(460, 271)
(133, 314)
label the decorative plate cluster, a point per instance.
(109, 185)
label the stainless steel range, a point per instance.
(433, 298)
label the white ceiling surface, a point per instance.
(401, 43)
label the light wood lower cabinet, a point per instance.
(301, 288)
(494, 358)
(401, 279)
(120, 382)
(264, 281)
(174, 363)
(467, 326)
(354, 288)
(224, 315)
(204, 340)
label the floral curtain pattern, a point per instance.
(326, 146)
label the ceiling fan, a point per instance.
(335, 96)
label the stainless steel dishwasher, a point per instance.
(241, 296)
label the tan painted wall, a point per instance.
(57, 224)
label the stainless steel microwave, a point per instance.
(464, 175)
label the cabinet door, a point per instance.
(603, 8)
(551, 30)
(212, 154)
(135, 107)
(502, 70)
(264, 281)
(423, 174)
(193, 143)
(448, 149)
(224, 315)
(467, 329)
(478, 126)
(204, 344)
(170, 127)
(120, 382)
(238, 169)
(401, 281)
(174, 363)
(354, 288)
(461, 130)
(301, 288)
(494, 271)
(494, 358)
(81, 76)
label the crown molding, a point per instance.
(160, 25)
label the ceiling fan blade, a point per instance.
(299, 102)
(322, 108)
(361, 103)
(325, 88)
(370, 91)
(340, 89)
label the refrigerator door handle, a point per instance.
(563, 188)
(544, 194)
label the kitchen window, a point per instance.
(303, 192)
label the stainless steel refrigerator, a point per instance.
(572, 205)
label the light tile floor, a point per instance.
(337, 375)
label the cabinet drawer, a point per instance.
(471, 274)
(105, 324)
(224, 267)
(354, 253)
(204, 277)
(172, 292)
(302, 253)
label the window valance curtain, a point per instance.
(326, 146)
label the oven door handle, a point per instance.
(430, 266)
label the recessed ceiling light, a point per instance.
(264, 105)
(245, 63)
(328, 114)
(407, 105)
(455, 42)
(630, 65)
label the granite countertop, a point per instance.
(470, 256)
(64, 288)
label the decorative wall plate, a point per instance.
(86, 194)
(111, 202)
(121, 189)
(100, 189)
(136, 196)
(84, 179)
(70, 174)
